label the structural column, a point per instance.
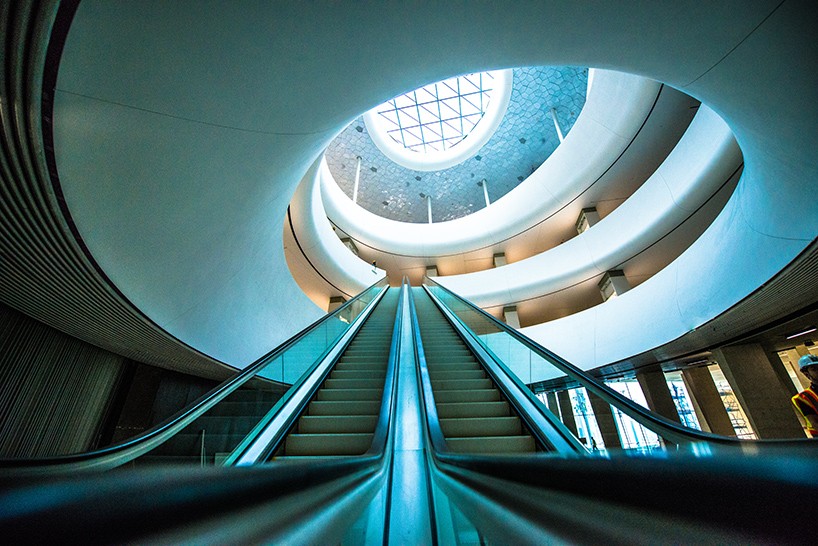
(553, 405)
(760, 390)
(511, 317)
(357, 181)
(605, 421)
(654, 387)
(707, 402)
(567, 411)
(794, 355)
(557, 125)
(484, 183)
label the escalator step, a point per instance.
(481, 426)
(461, 384)
(478, 395)
(330, 394)
(312, 424)
(492, 444)
(440, 375)
(344, 408)
(468, 409)
(327, 444)
(365, 382)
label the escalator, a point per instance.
(407, 421)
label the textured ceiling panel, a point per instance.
(525, 138)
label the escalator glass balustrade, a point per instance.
(597, 417)
(212, 437)
(341, 418)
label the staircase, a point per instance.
(342, 417)
(216, 433)
(474, 415)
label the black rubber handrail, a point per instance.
(662, 426)
(128, 450)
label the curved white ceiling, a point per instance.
(182, 130)
(615, 109)
(705, 158)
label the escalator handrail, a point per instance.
(432, 421)
(546, 428)
(387, 409)
(662, 426)
(118, 454)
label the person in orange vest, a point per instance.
(806, 402)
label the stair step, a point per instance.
(478, 395)
(438, 375)
(481, 426)
(493, 444)
(461, 384)
(360, 365)
(345, 374)
(327, 444)
(311, 424)
(320, 407)
(471, 409)
(357, 383)
(349, 394)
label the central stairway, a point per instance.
(342, 417)
(474, 415)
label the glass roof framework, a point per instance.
(438, 116)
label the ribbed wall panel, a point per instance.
(54, 389)
(45, 271)
(793, 289)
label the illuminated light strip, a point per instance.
(808, 331)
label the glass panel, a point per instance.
(542, 376)
(587, 427)
(682, 400)
(634, 437)
(740, 423)
(210, 438)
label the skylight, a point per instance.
(440, 115)
(443, 123)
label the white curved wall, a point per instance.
(320, 244)
(613, 113)
(182, 130)
(705, 157)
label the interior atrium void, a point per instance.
(228, 315)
